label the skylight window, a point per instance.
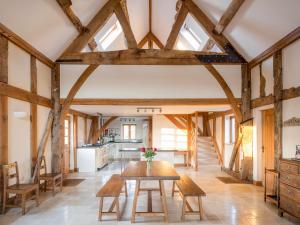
(191, 37)
(110, 35)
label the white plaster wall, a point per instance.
(159, 122)
(267, 71)
(42, 116)
(219, 132)
(228, 147)
(80, 134)
(119, 81)
(291, 65)
(43, 80)
(19, 138)
(18, 67)
(71, 143)
(290, 135)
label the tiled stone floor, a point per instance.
(230, 204)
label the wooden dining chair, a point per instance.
(52, 181)
(25, 191)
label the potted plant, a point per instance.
(149, 154)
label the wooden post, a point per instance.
(277, 74)
(223, 137)
(75, 140)
(3, 108)
(150, 129)
(33, 111)
(246, 127)
(57, 127)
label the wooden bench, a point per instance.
(112, 188)
(188, 188)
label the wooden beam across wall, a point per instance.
(93, 27)
(228, 15)
(282, 43)
(149, 57)
(209, 27)
(180, 18)
(124, 21)
(66, 7)
(166, 101)
(177, 123)
(33, 111)
(17, 40)
(23, 95)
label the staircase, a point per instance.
(207, 155)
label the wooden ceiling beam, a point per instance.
(173, 120)
(209, 27)
(228, 15)
(285, 41)
(73, 91)
(93, 27)
(143, 41)
(152, 102)
(180, 18)
(124, 21)
(66, 7)
(148, 57)
(233, 103)
(156, 40)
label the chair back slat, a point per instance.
(43, 166)
(10, 171)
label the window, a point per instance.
(191, 37)
(173, 138)
(66, 133)
(129, 131)
(230, 130)
(110, 35)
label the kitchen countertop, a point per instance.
(138, 150)
(136, 141)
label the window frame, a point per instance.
(129, 131)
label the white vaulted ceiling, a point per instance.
(257, 25)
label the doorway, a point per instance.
(268, 156)
(66, 151)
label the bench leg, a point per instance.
(160, 189)
(183, 208)
(100, 209)
(117, 208)
(125, 185)
(173, 188)
(136, 193)
(164, 199)
(200, 208)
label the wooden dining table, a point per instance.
(159, 171)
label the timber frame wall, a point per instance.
(10, 91)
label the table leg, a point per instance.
(136, 193)
(164, 200)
